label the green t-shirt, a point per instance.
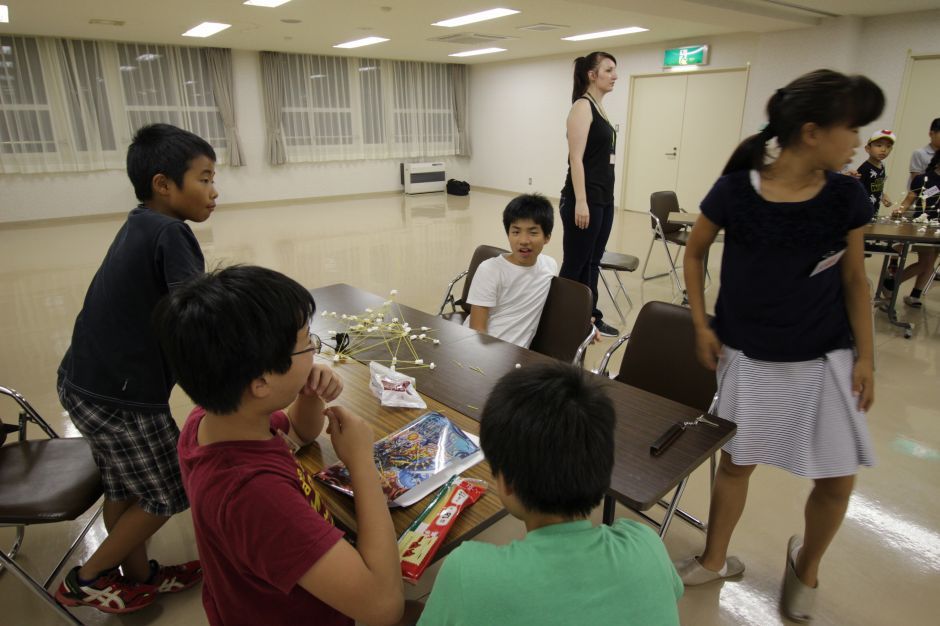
(572, 573)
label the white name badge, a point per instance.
(927, 193)
(613, 161)
(828, 262)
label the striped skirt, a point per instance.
(799, 416)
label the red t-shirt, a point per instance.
(260, 525)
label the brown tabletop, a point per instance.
(639, 480)
(357, 397)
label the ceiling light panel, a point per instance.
(482, 16)
(206, 29)
(473, 53)
(607, 33)
(269, 4)
(358, 43)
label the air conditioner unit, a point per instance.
(423, 177)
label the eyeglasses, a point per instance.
(315, 345)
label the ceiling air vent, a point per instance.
(472, 39)
(541, 27)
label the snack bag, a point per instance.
(420, 542)
(394, 388)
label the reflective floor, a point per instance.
(883, 568)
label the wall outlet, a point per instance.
(530, 181)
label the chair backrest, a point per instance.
(565, 321)
(482, 253)
(660, 357)
(662, 203)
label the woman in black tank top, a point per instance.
(587, 200)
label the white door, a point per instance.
(683, 128)
(920, 107)
(655, 133)
(711, 130)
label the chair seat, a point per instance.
(680, 237)
(64, 467)
(619, 262)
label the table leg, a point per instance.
(892, 303)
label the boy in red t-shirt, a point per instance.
(239, 342)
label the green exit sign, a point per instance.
(687, 55)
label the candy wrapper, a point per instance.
(420, 542)
(394, 388)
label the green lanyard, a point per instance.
(613, 137)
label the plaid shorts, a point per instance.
(135, 452)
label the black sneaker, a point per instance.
(606, 329)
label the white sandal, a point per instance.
(693, 573)
(798, 599)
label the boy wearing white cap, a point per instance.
(872, 172)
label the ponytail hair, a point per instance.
(824, 97)
(934, 163)
(583, 65)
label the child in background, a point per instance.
(924, 197)
(508, 292)
(115, 383)
(548, 432)
(872, 173)
(792, 333)
(240, 343)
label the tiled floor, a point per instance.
(883, 568)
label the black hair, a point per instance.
(935, 125)
(548, 430)
(824, 97)
(162, 149)
(583, 65)
(222, 330)
(533, 206)
(934, 163)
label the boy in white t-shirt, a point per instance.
(509, 291)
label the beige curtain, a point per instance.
(220, 71)
(273, 80)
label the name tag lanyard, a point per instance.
(613, 136)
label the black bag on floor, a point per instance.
(458, 187)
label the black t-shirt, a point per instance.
(598, 165)
(115, 357)
(768, 305)
(927, 188)
(873, 180)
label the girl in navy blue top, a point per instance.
(924, 197)
(792, 334)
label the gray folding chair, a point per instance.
(482, 253)
(659, 357)
(44, 481)
(615, 263)
(565, 329)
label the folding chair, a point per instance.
(44, 481)
(482, 253)
(662, 203)
(565, 329)
(615, 262)
(660, 358)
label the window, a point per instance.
(71, 105)
(341, 108)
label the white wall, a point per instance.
(34, 196)
(530, 99)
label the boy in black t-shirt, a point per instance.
(115, 383)
(872, 172)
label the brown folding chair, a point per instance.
(565, 329)
(482, 253)
(662, 203)
(660, 358)
(615, 263)
(44, 481)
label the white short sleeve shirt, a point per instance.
(514, 294)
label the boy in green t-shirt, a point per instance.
(547, 432)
